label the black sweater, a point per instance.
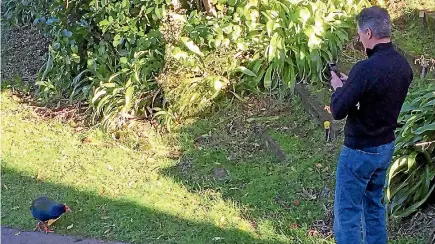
(372, 97)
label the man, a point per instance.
(371, 98)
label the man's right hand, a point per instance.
(343, 77)
(336, 82)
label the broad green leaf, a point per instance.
(411, 160)
(313, 40)
(98, 95)
(226, 42)
(398, 165)
(236, 32)
(342, 35)
(409, 210)
(232, 2)
(247, 71)
(159, 12)
(218, 84)
(304, 15)
(428, 127)
(192, 46)
(128, 97)
(123, 60)
(102, 103)
(255, 66)
(109, 85)
(260, 75)
(116, 40)
(268, 78)
(177, 53)
(269, 27)
(104, 22)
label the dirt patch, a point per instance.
(420, 224)
(23, 52)
(238, 131)
(74, 114)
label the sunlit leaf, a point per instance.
(268, 78)
(192, 46)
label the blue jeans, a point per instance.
(359, 187)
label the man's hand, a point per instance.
(343, 77)
(336, 81)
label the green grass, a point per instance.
(143, 196)
(408, 32)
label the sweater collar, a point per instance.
(378, 48)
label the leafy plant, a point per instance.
(106, 54)
(130, 93)
(411, 176)
(21, 12)
(192, 83)
(287, 41)
(110, 54)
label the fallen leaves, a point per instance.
(313, 233)
(222, 219)
(253, 224)
(70, 226)
(296, 202)
(294, 226)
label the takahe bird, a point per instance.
(45, 209)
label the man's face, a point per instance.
(364, 36)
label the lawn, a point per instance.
(148, 195)
(143, 195)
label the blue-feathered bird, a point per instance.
(45, 209)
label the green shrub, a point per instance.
(287, 41)
(106, 54)
(110, 54)
(411, 176)
(191, 83)
(22, 12)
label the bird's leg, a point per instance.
(38, 226)
(46, 229)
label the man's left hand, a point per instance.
(335, 81)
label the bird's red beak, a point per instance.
(67, 209)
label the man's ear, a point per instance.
(369, 33)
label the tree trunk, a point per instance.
(209, 8)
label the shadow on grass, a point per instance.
(285, 193)
(117, 218)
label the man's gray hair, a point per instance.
(376, 19)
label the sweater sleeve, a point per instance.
(348, 96)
